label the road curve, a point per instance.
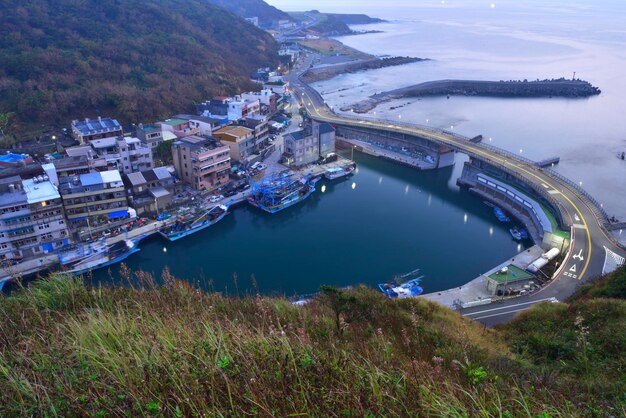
(590, 239)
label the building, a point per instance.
(260, 129)
(94, 202)
(301, 148)
(150, 191)
(89, 129)
(31, 218)
(326, 135)
(205, 124)
(126, 154)
(9, 160)
(266, 97)
(253, 20)
(230, 108)
(201, 162)
(179, 127)
(240, 141)
(151, 135)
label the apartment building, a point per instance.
(94, 202)
(126, 154)
(240, 141)
(201, 162)
(88, 129)
(31, 218)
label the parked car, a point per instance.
(216, 198)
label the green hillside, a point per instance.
(173, 351)
(253, 8)
(137, 60)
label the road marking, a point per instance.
(507, 306)
(553, 191)
(579, 255)
(573, 268)
(579, 226)
(576, 217)
(545, 186)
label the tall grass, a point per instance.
(70, 350)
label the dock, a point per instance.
(476, 292)
(370, 149)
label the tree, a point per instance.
(163, 152)
(5, 121)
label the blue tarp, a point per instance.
(118, 214)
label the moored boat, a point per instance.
(333, 173)
(407, 289)
(187, 225)
(276, 194)
(500, 214)
(519, 233)
(113, 254)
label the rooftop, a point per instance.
(40, 191)
(512, 274)
(93, 126)
(174, 122)
(297, 135)
(14, 158)
(200, 144)
(104, 142)
(326, 128)
(235, 131)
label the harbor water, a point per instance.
(384, 220)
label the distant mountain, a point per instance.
(253, 8)
(137, 60)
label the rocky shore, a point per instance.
(325, 73)
(539, 88)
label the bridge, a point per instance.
(591, 241)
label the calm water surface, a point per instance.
(384, 220)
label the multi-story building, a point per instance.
(126, 154)
(205, 124)
(94, 202)
(230, 108)
(301, 148)
(310, 145)
(266, 97)
(202, 162)
(89, 129)
(31, 218)
(240, 141)
(260, 129)
(151, 135)
(151, 190)
(179, 127)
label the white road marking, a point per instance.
(579, 226)
(507, 306)
(553, 191)
(579, 256)
(573, 268)
(545, 185)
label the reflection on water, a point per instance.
(343, 236)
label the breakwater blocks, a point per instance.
(539, 88)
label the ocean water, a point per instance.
(512, 40)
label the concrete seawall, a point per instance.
(328, 72)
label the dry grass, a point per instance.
(70, 350)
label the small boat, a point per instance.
(500, 214)
(113, 254)
(195, 222)
(519, 234)
(407, 289)
(338, 172)
(74, 253)
(278, 193)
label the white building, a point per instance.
(31, 218)
(126, 154)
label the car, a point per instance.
(230, 193)
(244, 187)
(216, 198)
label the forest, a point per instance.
(136, 60)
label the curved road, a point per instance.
(591, 244)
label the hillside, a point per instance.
(137, 60)
(69, 350)
(253, 8)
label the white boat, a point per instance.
(113, 254)
(333, 173)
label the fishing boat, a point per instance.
(333, 173)
(519, 233)
(408, 289)
(500, 214)
(193, 222)
(74, 253)
(113, 254)
(278, 193)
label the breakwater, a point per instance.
(324, 73)
(539, 88)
